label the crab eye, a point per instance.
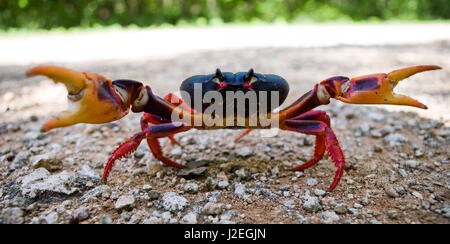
(216, 80)
(123, 94)
(253, 79)
(141, 100)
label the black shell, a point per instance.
(234, 83)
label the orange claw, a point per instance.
(378, 88)
(92, 97)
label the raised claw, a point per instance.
(378, 88)
(92, 97)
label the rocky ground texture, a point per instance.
(397, 161)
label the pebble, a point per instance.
(12, 216)
(403, 173)
(417, 194)
(176, 152)
(329, 217)
(311, 182)
(191, 173)
(390, 191)
(125, 202)
(395, 139)
(48, 161)
(212, 208)
(173, 202)
(319, 192)
(223, 184)
(190, 218)
(243, 174)
(87, 170)
(154, 194)
(98, 191)
(243, 152)
(392, 214)
(341, 208)
(40, 181)
(312, 204)
(289, 204)
(412, 163)
(191, 188)
(106, 220)
(239, 189)
(211, 183)
(81, 213)
(146, 188)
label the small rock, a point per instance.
(190, 218)
(341, 208)
(154, 194)
(12, 216)
(223, 184)
(125, 202)
(403, 173)
(40, 181)
(211, 183)
(171, 201)
(319, 192)
(239, 189)
(106, 220)
(51, 218)
(329, 217)
(412, 163)
(146, 188)
(376, 116)
(98, 191)
(176, 152)
(289, 204)
(47, 161)
(243, 152)
(311, 182)
(81, 213)
(312, 204)
(212, 208)
(87, 170)
(386, 130)
(417, 194)
(395, 139)
(191, 173)
(243, 174)
(392, 214)
(191, 188)
(390, 191)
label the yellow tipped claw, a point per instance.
(91, 96)
(378, 88)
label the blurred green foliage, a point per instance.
(48, 14)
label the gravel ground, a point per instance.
(397, 157)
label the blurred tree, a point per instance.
(47, 14)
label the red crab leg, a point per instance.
(175, 100)
(246, 132)
(151, 133)
(320, 145)
(154, 119)
(326, 139)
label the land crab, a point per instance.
(96, 99)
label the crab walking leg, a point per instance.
(155, 119)
(320, 145)
(152, 133)
(246, 132)
(320, 129)
(175, 100)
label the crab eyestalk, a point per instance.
(93, 98)
(375, 88)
